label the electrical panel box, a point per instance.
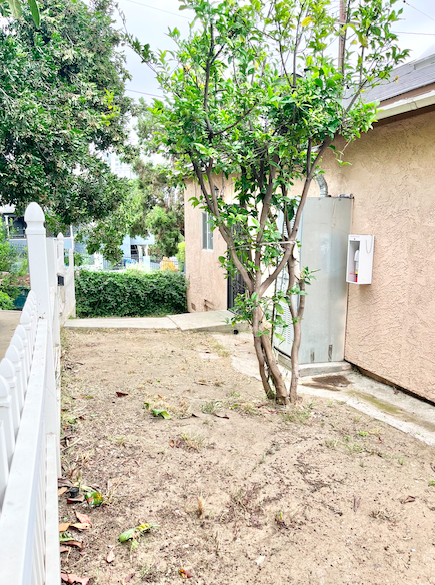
(360, 259)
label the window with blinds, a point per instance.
(207, 234)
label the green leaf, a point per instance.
(162, 413)
(35, 12)
(127, 535)
(15, 7)
(306, 21)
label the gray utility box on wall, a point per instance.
(323, 236)
(360, 259)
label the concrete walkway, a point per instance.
(122, 323)
(208, 321)
(8, 322)
(384, 403)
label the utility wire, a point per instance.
(418, 10)
(159, 9)
(144, 93)
(413, 33)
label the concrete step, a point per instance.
(315, 369)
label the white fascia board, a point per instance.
(406, 105)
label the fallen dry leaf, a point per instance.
(172, 443)
(185, 574)
(73, 578)
(221, 415)
(78, 500)
(81, 525)
(64, 526)
(408, 500)
(83, 518)
(64, 549)
(129, 578)
(62, 491)
(78, 397)
(74, 543)
(121, 394)
(110, 556)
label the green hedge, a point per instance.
(130, 294)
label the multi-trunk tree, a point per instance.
(257, 92)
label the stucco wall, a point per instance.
(207, 289)
(391, 323)
(207, 283)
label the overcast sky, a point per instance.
(149, 20)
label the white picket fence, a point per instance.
(30, 417)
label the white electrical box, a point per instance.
(360, 259)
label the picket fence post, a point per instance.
(39, 281)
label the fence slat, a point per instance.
(21, 333)
(4, 467)
(52, 550)
(6, 417)
(18, 516)
(7, 370)
(13, 354)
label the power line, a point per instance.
(418, 10)
(144, 93)
(396, 32)
(159, 9)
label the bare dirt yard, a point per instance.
(236, 490)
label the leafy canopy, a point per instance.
(62, 103)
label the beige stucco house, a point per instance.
(390, 327)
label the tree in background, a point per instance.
(154, 205)
(158, 191)
(255, 91)
(62, 103)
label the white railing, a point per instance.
(30, 420)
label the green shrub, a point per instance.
(130, 294)
(5, 301)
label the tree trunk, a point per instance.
(278, 380)
(295, 361)
(260, 355)
(267, 362)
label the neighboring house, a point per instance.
(389, 326)
(136, 249)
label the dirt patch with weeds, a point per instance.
(213, 483)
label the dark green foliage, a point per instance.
(130, 294)
(12, 266)
(62, 102)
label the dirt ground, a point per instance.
(240, 490)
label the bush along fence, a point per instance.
(30, 417)
(130, 294)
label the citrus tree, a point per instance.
(256, 91)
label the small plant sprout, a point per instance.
(210, 407)
(363, 433)
(432, 482)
